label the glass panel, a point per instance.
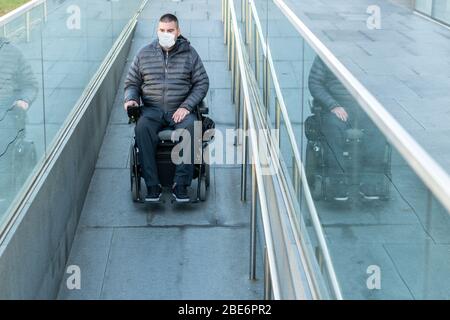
(22, 142)
(48, 56)
(291, 62)
(424, 6)
(387, 235)
(373, 207)
(441, 10)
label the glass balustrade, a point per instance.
(48, 55)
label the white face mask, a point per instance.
(166, 40)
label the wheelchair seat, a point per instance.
(316, 166)
(354, 134)
(168, 136)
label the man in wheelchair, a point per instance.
(349, 137)
(169, 78)
(18, 91)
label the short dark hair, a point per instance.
(168, 17)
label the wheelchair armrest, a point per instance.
(202, 108)
(314, 107)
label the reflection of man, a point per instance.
(341, 112)
(169, 76)
(18, 86)
(18, 89)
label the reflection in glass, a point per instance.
(48, 53)
(18, 92)
(424, 6)
(441, 10)
(347, 148)
(437, 9)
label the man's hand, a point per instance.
(130, 103)
(180, 114)
(340, 113)
(22, 105)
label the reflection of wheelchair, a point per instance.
(166, 168)
(315, 163)
(24, 157)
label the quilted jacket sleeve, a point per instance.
(317, 85)
(133, 82)
(200, 83)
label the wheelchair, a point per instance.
(166, 168)
(315, 163)
(23, 157)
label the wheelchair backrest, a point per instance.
(315, 106)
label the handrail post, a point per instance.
(228, 36)
(233, 67)
(225, 21)
(296, 175)
(237, 88)
(45, 11)
(245, 19)
(266, 81)
(222, 2)
(267, 280)
(244, 154)
(253, 225)
(237, 102)
(27, 25)
(319, 258)
(278, 120)
(249, 23)
(257, 40)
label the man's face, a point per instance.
(170, 27)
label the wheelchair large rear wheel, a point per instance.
(135, 177)
(202, 188)
(24, 160)
(207, 175)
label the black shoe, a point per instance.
(338, 190)
(370, 191)
(180, 193)
(153, 194)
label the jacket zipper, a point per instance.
(165, 77)
(167, 59)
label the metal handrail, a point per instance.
(288, 201)
(309, 200)
(255, 15)
(257, 165)
(24, 10)
(10, 16)
(433, 176)
(286, 214)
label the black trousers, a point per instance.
(152, 121)
(369, 159)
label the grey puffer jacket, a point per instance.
(328, 92)
(17, 81)
(167, 80)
